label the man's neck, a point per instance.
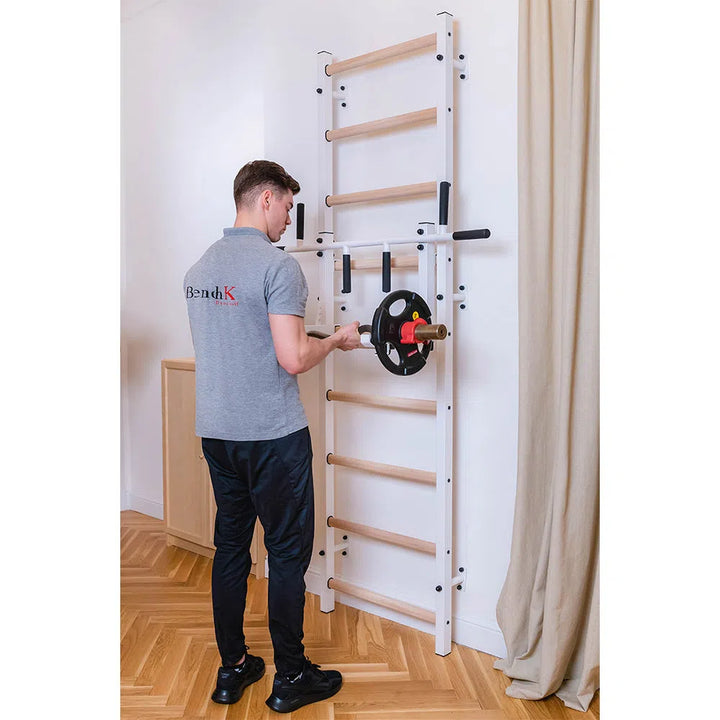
(247, 219)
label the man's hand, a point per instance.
(297, 352)
(348, 336)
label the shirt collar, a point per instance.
(237, 232)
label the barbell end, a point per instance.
(423, 333)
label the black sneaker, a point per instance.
(231, 681)
(311, 685)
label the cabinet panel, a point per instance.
(188, 496)
(185, 470)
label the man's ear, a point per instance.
(265, 198)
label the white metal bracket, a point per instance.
(461, 296)
(462, 66)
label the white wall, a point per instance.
(191, 115)
(182, 60)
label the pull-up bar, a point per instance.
(478, 234)
(421, 43)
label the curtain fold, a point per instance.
(548, 609)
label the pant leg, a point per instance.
(283, 496)
(234, 524)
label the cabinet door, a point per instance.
(185, 471)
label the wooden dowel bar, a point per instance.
(396, 121)
(394, 471)
(391, 193)
(421, 43)
(405, 541)
(393, 403)
(382, 600)
(400, 261)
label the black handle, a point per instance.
(386, 271)
(300, 226)
(444, 202)
(346, 273)
(471, 234)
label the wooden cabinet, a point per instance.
(189, 504)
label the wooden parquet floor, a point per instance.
(169, 659)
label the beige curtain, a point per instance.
(549, 605)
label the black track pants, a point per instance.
(272, 480)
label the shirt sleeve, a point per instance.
(286, 289)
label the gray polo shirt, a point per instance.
(242, 391)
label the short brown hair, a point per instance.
(256, 176)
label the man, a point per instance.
(246, 304)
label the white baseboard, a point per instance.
(477, 637)
(146, 507)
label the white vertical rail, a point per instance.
(327, 305)
(426, 267)
(444, 350)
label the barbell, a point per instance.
(409, 333)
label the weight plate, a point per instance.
(385, 334)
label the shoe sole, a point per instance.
(285, 706)
(228, 697)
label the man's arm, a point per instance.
(297, 352)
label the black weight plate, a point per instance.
(386, 331)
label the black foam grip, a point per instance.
(346, 273)
(471, 234)
(386, 271)
(444, 202)
(300, 226)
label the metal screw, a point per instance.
(461, 570)
(344, 537)
(319, 253)
(318, 240)
(448, 550)
(319, 91)
(420, 231)
(459, 587)
(342, 87)
(438, 588)
(462, 306)
(439, 57)
(344, 104)
(462, 287)
(462, 76)
(322, 552)
(344, 552)
(420, 247)
(343, 308)
(439, 297)
(462, 57)
(449, 109)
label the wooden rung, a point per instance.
(411, 118)
(371, 263)
(382, 600)
(421, 43)
(391, 193)
(395, 471)
(424, 546)
(426, 406)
